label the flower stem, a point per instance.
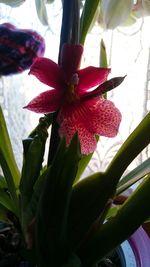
(75, 22)
(69, 34)
(66, 28)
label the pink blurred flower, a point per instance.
(18, 48)
(79, 109)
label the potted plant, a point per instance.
(62, 220)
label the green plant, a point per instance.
(65, 221)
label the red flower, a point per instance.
(80, 109)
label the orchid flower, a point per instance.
(80, 109)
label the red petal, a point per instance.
(48, 72)
(105, 117)
(90, 77)
(46, 102)
(70, 59)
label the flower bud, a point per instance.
(115, 12)
(18, 48)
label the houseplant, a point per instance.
(62, 220)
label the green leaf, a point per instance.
(52, 219)
(129, 217)
(6, 201)
(10, 184)
(132, 177)
(12, 3)
(32, 165)
(39, 185)
(115, 12)
(134, 144)
(3, 183)
(103, 55)
(7, 153)
(3, 214)
(90, 195)
(88, 13)
(85, 159)
(41, 11)
(112, 212)
(82, 165)
(30, 209)
(88, 201)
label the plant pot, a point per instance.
(136, 250)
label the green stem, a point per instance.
(66, 28)
(130, 216)
(75, 22)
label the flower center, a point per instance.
(71, 94)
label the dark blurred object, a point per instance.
(18, 48)
(10, 247)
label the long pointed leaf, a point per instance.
(52, 219)
(4, 214)
(7, 152)
(6, 201)
(10, 183)
(82, 165)
(90, 195)
(139, 171)
(89, 198)
(3, 183)
(87, 16)
(130, 216)
(133, 176)
(134, 144)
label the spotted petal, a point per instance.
(87, 139)
(72, 119)
(46, 102)
(105, 117)
(90, 77)
(48, 72)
